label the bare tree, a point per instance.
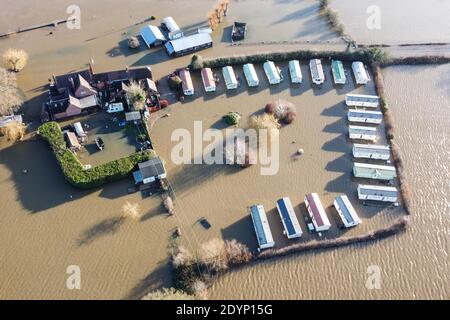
(15, 59)
(10, 100)
(131, 210)
(13, 131)
(137, 95)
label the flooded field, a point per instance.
(46, 225)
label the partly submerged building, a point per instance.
(250, 75)
(189, 44)
(317, 212)
(363, 133)
(374, 171)
(150, 171)
(346, 211)
(363, 116)
(172, 28)
(377, 193)
(187, 84)
(370, 151)
(272, 72)
(338, 71)
(295, 71)
(209, 82)
(289, 219)
(317, 75)
(262, 227)
(230, 78)
(362, 100)
(152, 36)
(360, 72)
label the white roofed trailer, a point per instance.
(362, 133)
(250, 75)
(360, 72)
(374, 171)
(362, 100)
(317, 212)
(230, 78)
(172, 27)
(295, 71)
(272, 72)
(262, 227)
(377, 193)
(188, 86)
(289, 219)
(370, 151)
(346, 211)
(317, 75)
(363, 116)
(208, 80)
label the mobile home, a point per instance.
(289, 219)
(318, 77)
(360, 72)
(377, 193)
(188, 86)
(346, 211)
(229, 77)
(208, 80)
(363, 133)
(373, 171)
(272, 72)
(79, 130)
(262, 227)
(295, 71)
(363, 116)
(172, 28)
(370, 151)
(362, 100)
(338, 71)
(317, 212)
(189, 44)
(250, 75)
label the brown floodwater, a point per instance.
(46, 225)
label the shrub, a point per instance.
(133, 43)
(13, 131)
(168, 294)
(185, 276)
(137, 95)
(200, 289)
(323, 4)
(232, 118)
(169, 205)
(270, 108)
(15, 59)
(290, 117)
(131, 210)
(10, 100)
(182, 258)
(164, 104)
(213, 254)
(237, 253)
(196, 62)
(97, 176)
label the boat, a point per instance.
(239, 31)
(100, 143)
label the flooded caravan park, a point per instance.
(48, 225)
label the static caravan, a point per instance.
(250, 75)
(362, 100)
(370, 151)
(295, 71)
(229, 77)
(289, 219)
(360, 72)
(188, 86)
(373, 171)
(262, 227)
(377, 193)
(346, 211)
(318, 77)
(317, 212)
(363, 133)
(79, 130)
(208, 80)
(338, 72)
(272, 72)
(186, 45)
(172, 28)
(363, 116)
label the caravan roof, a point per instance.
(208, 80)
(262, 227)
(229, 77)
(272, 72)
(288, 218)
(346, 211)
(360, 72)
(295, 71)
(318, 77)
(338, 72)
(362, 100)
(188, 86)
(250, 75)
(170, 24)
(372, 192)
(317, 212)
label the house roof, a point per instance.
(89, 101)
(152, 168)
(150, 34)
(136, 74)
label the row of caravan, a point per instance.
(292, 229)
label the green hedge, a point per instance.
(91, 178)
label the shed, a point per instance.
(377, 193)
(373, 171)
(317, 212)
(262, 227)
(289, 219)
(272, 72)
(152, 36)
(338, 71)
(250, 75)
(363, 116)
(370, 151)
(72, 141)
(346, 211)
(208, 80)
(317, 75)
(363, 133)
(150, 171)
(188, 86)
(360, 72)
(79, 130)
(172, 27)
(362, 100)
(230, 78)
(295, 71)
